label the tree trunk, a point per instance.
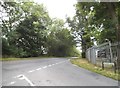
(118, 49)
(116, 17)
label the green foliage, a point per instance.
(85, 64)
(28, 31)
(22, 38)
(80, 26)
(5, 47)
(94, 22)
(30, 37)
(107, 15)
(60, 43)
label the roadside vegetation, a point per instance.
(28, 31)
(29, 58)
(14, 59)
(97, 69)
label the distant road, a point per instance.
(50, 72)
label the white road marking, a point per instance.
(49, 65)
(17, 76)
(45, 67)
(31, 71)
(11, 83)
(21, 77)
(53, 64)
(25, 78)
(38, 68)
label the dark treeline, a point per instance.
(28, 31)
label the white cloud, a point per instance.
(59, 8)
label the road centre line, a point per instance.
(41, 68)
(49, 65)
(38, 68)
(45, 67)
(31, 71)
(23, 77)
(56, 63)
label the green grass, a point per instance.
(14, 59)
(85, 64)
(0, 59)
(30, 58)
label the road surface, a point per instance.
(50, 72)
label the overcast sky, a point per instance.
(59, 8)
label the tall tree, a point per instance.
(60, 41)
(98, 20)
(32, 30)
(80, 25)
(19, 18)
(10, 16)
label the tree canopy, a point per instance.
(94, 22)
(28, 31)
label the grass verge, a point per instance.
(85, 64)
(14, 59)
(29, 58)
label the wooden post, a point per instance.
(103, 65)
(115, 66)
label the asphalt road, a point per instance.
(50, 72)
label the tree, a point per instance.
(29, 31)
(107, 15)
(32, 30)
(10, 16)
(81, 27)
(95, 21)
(60, 41)
(24, 19)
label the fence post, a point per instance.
(111, 50)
